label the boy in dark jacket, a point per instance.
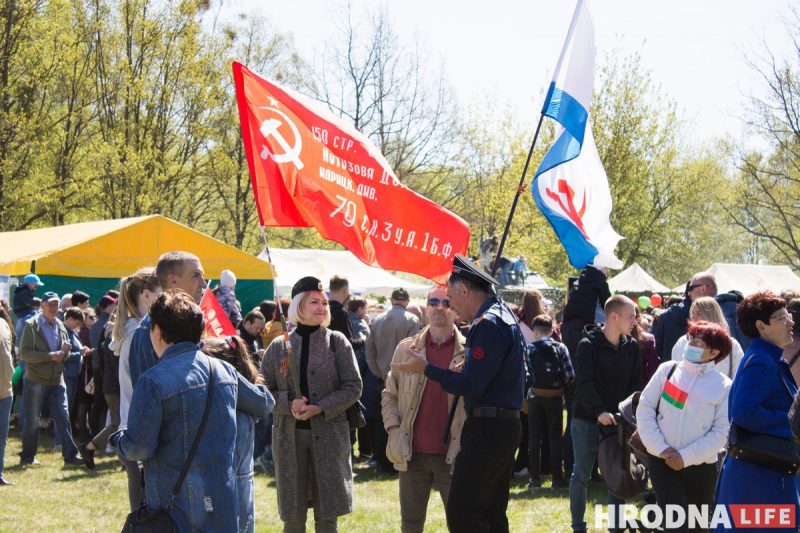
(608, 369)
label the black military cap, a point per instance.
(308, 283)
(464, 268)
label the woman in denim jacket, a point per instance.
(234, 351)
(165, 413)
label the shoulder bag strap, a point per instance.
(196, 442)
(669, 375)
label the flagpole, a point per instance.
(295, 381)
(520, 188)
(570, 32)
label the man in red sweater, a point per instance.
(415, 411)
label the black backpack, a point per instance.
(545, 364)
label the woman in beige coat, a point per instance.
(310, 434)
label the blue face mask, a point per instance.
(693, 354)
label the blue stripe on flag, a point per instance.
(579, 250)
(562, 107)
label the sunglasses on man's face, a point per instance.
(434, 302)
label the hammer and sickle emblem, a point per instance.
(269, 128)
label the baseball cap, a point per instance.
(32, 278)
(50, 296)
(105, 301)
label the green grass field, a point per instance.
(51, 497)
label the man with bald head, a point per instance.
(175, 270)
(674, 322)
(415, 411)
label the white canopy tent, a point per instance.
(748, 279)
(635, 279)
(291, 265)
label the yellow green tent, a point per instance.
(92, 256)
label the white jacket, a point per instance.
(727, 366)
(700, 429)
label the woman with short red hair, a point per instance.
(760, 398)
(682, 419)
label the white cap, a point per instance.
(227, 279)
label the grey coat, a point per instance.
(334, 384)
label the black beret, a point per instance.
(464, 268)
(308, 283)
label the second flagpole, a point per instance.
(520, 188)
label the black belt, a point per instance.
(492, 412)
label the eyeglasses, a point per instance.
(434, 302)
(783, 317)
(693, 287)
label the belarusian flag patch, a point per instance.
(674, 395)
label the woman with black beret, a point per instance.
(314, 377)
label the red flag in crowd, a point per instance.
(311, 168)
(217, 323)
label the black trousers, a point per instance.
(482, 476)
(693, 485)
(545, 418)
(97, 416)
(522, 450)
(379, 441)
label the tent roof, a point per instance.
(635, 279)
(748, 279)
(115, 248)
(291, 265)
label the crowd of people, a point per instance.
(459, 394)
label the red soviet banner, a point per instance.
(311, 168)
(217, 323)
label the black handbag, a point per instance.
(145, 520)
(355, 415)
(762, 449)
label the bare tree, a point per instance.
(769, 183)
(389, 92)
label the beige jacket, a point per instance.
(401, 398)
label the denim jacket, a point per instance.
(166, 409)
(142, 356)
(72, 364)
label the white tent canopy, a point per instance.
(291, 265)
(748, 279)
(635, 279)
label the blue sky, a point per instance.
(508, 48)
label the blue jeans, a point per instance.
(5, 413)
(585, 441)
(36, 395)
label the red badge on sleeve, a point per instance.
(478, 353)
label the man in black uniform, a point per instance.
(492, 383)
